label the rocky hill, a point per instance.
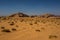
(20, 26)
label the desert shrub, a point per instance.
(31, 24)
(35, 23)
(52, 36)
(2, 27)
(58, 24)
(6, 30)
(17, 26)
(22, 20)
(42, 28)
(8, 22)
(37, 30)
(12, 23)
(13, 29)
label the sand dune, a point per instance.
(25, 27)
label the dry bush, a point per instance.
(35, 22)
(37, 30)
(17, 26)
(2, 27)
(52, 36)
(6, 30)
(12, 23)
(13, 29)
(31, 24)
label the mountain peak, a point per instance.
(19, 14)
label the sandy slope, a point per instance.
(30, 28)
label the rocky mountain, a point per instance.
(47, 15)
(19, 14)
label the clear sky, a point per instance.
(29, 6)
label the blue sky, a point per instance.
(29, 6)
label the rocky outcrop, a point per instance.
(47, 15)
(19, 15)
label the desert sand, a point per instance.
(24, 27)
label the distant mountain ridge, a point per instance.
(19, 14)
